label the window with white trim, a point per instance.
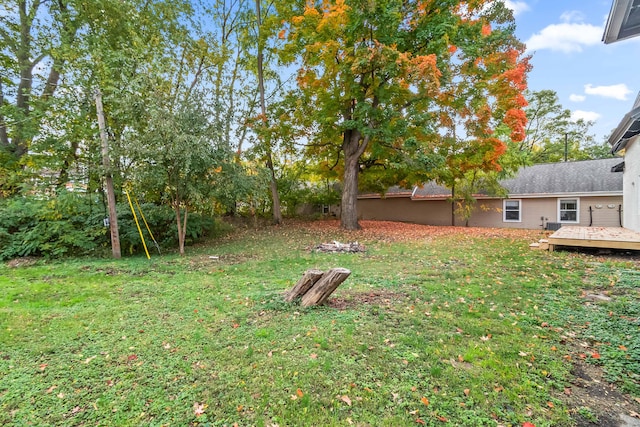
(511, 210)
(568, 210)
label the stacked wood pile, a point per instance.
(336, 247)
(315, 286)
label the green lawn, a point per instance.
(455, 327)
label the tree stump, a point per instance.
(303, 285)
(328, 283)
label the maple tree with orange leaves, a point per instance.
(380, 84)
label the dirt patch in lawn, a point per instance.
(357, 300)
(593, 401)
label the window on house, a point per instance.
(511, 211)
(568, 210)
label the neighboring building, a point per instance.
(626, 137)
(585, 193)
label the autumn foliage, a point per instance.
(383, 85)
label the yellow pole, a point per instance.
(135, 217)
(135, 199)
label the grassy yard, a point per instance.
(435, 326)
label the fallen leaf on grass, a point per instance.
(199, 408)
(43, 366)
(50, 389)
(346, 399)
(313, 356)
(299, 393)
(567, 391)
(595, 355)
(528, 424)
(466, 392)
(419, 421)
(425, 400)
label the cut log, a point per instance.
(303, 285)
(324, 287)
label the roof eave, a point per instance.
(617, 139)
(614, 30)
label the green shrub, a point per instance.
(65, 225)
(73, 224)
(162, 223)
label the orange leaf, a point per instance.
(419, 421)
(595, 355)
(467, 391)
(346, 399)
(623, 348)
(425, 400)
(550, 404)
(443, 419)
(528, 424)
(299, 393)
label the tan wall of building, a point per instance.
(535, 213)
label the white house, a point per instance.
(624, 23)
(627, 137)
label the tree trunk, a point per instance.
(277, 213)
(453, 204)
(106, 163)
(182, 226)
(303, 285)
(4, 135)
(324, 287)
(353, 148)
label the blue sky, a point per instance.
(595, 81)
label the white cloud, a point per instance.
(577, 98)
(572, 16)
(517, 6)
(619, 91)
(566, 37)
(589, 116)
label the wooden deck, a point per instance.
(595, 237)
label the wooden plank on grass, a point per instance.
(303, 285)
(324, 287)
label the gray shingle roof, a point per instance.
(588, 176)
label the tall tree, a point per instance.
(275, 197)
(372, 73)
(35, 37)
(552, 135)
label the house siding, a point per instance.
(535, 212)
(631, 186)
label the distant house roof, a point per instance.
(588, 176)
(543, 180)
